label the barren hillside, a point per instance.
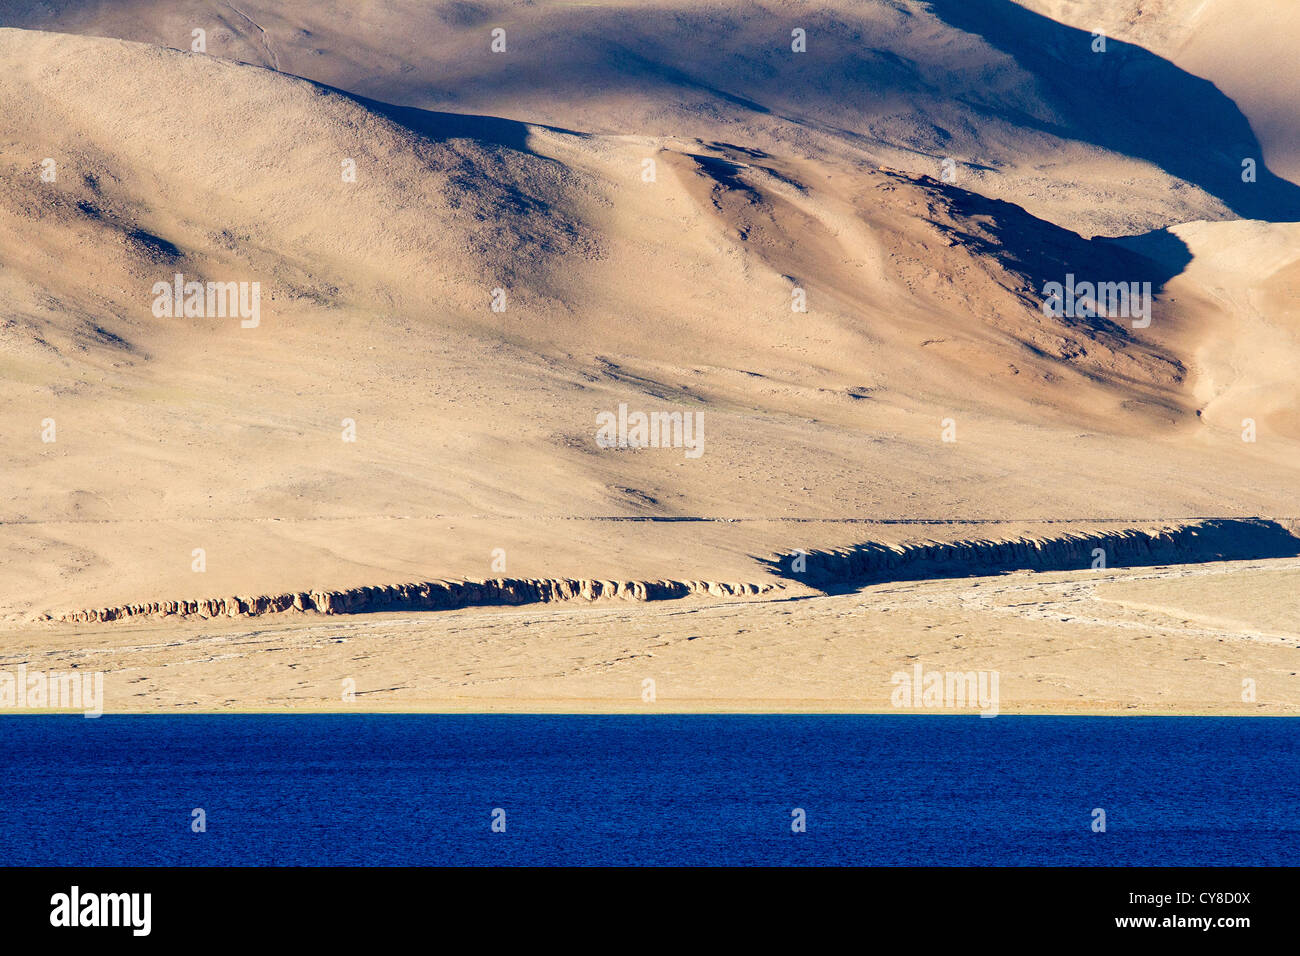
(463, 259)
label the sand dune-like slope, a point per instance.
(1116, 142)
(647, 194)
(1241, 46)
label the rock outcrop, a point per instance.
(424, 596)
(1185, 543)
(1191, 543)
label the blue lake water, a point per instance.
(416, 789)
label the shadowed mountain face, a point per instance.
(1033, 254)
(1018, 100)
(438, 126)
(1128, 100)
(1042, 252)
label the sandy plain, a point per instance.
(133, 441)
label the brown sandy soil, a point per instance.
(1165, 640)
(132, 441)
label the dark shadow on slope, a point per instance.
(1134, 102)
(693, 62)
(1042, 251)
(845, 570)
(726, 174)
(1030, 253)
(439, 127)
(632, 64)
(1160, 246)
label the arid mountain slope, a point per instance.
(647, 244)
(1116, 142)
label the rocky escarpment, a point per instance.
(425, 596)
(1198, 542)
(1183, 543)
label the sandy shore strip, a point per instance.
(1221, 638)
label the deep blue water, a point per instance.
(409, 789)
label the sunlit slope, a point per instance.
(660, 272)
(1146, 134)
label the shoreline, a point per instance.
(1213, 639)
